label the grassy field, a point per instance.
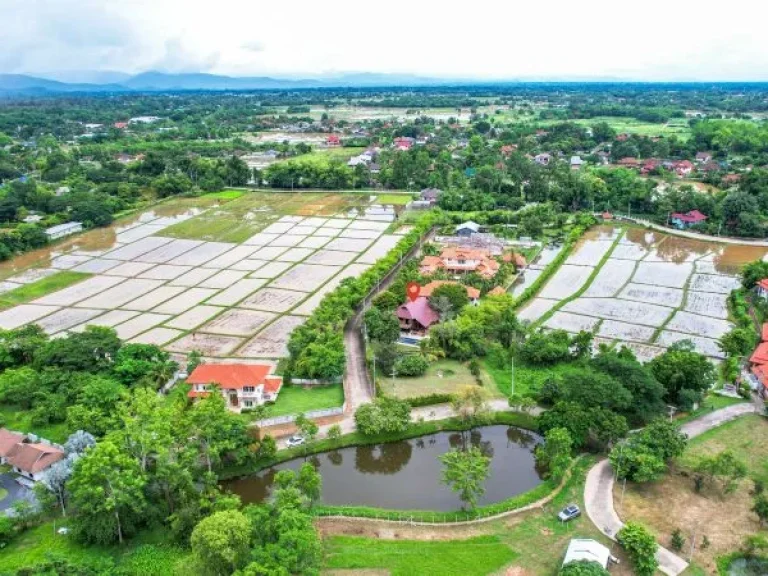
(241, 218)
(395, 199)
(40, 288)
(14, 418)
(149, 554)
(677, 126)
(324, 156)
(442, 377)
(475, 556)
(297, 400)
(225, 195)
(527, 378)
(536, 542)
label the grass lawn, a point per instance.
(535, 541)
(475, 556)
(40, 288)
(711, 403)
(296, 400)
(396, 199)
(148, 554)
(323, 156)
(3, 494)
(677, 126)
(15, 418)
(442, 377)
(528, 379)
(225, 195)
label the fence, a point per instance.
(311, 382)
(312, 414)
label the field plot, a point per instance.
(663, 274)
(273, 300)
(165, 272)
(306, 277)
(660, 295)
(97, 265)
(589, 253)
(129, 269)
(139, 324)
(66, 318)
(699, 325)
(121, 294)
(239, 290)
(272, 342)
(706, 346)
(185, 300)
(332, 258)
(621, 310)
(714, 283)
(632, 252)
(379, 249)
(535, 309)
(708, 304)
(206, 344)
(613, 275)
(626, 332)
(80, 291)
(238, 322)
(566, 282)
(154, 298)
(157, 336)
(194, 317)
(571, 322)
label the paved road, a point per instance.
(598, 490)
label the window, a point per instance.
(248, 403)
(249, 389)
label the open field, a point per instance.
(676, 126)
(725, 519)
(297, 400)
(394, 198)
(40, 288)
(442, 377)
(324, 156)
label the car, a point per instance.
(569, 513)
(295, 441)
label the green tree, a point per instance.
(641, 547)
(220, 542)
(760, 507)
(334, 433)
(455, 293)
(470, 403)
(309, 482)
(753, 272)
(307, 427)
(723, 470)
(738, 342)
(106, 492)
(214, 430)
(583, 568)
(685, 374)
(383, 415)
(466, 471)
(555, 453)
(382, 325)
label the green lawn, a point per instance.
(14, 418)
(746, 437)
(677, 126)
(3, 494)
(40, 288)
(149, 554)
(477, 556)
(225, 195)
(324, 156)
(396, 199)
(442, 377)
(297, 400)
(528, 379)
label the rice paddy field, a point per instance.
(646, 290)
(231, 279)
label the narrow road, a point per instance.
(694, 235)
(598, 490)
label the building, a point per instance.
(683, 221)
(629, 162)
(543, 159)
(32, 460)
(684, 168)
(703, 157)
(468, 228)
(61, 230)
(472, 293)
(333, 141)
(457, 260)
(576, 162)
(430, 195)
(762, 290)
(121, 125)
(242, 385)
(417, 316)
(8, 443)
(586, 549)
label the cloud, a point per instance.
(180, 58)
(253, 46)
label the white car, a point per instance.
(295, 441)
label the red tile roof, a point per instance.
(235, 376)
(33, 458)
(760, 355)
(418, 310)
(764, 336)
(763, 283)
(693, 216)
(8, 441)
(761, 373)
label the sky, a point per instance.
(484, 39)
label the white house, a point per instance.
(242, 385)
(762, 288)
(29, 459)
(61, 230)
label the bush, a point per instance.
(677, 540)
(641, 547)
(430, 399)
(411, 365)
(383, 415)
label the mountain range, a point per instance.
(161, 82)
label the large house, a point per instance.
(458, 260)
(242, 385)
(683, 221)
(417, 316)
(29, 459)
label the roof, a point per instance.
(764, 335)
(763, 283)
(63, 227)
(235, 376)
(8, 441)
(692, 216)
(430, 193)
(426, 291)
(474, 226)
(519, 260)
(761, 373)
(760, 355)
(34, 458)
(418, 310)
(587, 549)
(498, 291)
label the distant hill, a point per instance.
(161, 82)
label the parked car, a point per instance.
(295, 441)
(569, 513)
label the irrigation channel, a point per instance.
(406, 475)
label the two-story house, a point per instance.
(242, 385)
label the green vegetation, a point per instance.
(15, 417)
(225, 195)
(442, 377)
(40, 288)
(296, 399)
(394, 199)
(473, 557)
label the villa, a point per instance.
(242, 385)
(461, 261)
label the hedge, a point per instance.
(430, 399)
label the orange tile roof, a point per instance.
(760, 355)
(763, 283)
(427, 289)
(761, 373)
(498, 291)
(235, 376)
(8, 441)
(764, 332)
(33, 458)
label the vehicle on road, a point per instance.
(295, 441)
(569, 513)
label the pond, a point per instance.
(748, 567)
(406, 475)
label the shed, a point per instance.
(467, 228)
(61, 230)
(588, 550)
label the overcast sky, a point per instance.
(496, 39)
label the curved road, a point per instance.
(598, 490)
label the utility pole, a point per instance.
(512, 391)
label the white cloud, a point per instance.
(657, 40)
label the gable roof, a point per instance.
(760, 372)
(474, 226)
(34, 458)
(235, 376)
(8, 442)
(760, 355)
(764, 285)
(418, 310)
(764, 332)
(693, 216)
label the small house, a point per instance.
(32, 460)
(242, 385)
(684, 221)
(121, 125)
(62, 230)
(543, 159)
(467, 228)
(762, 291)
(430, 195)
(333, 141)
(587, 550)
(417, 315)
(576, 162)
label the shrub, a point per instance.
(641, 547)
(412, 365)
(677, 540)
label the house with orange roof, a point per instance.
(29, 459)
(242, 385)
(458, 260)
(762, 289)
(8, 443)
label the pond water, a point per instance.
(748, 567)
(406, 475)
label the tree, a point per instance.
(334, 433)
(722, 469)
(144, 363)
(466, 471)
(555, 453)
(583, 568)
(383, 415)
(641, 547)
(760, 507)
(382, 325)
(55, 478)
(107, 495)
(470, 403)
(309, 482)
(680, 369)
(79, 441)
(214, 430)
(221, 542)
(738, 342)
(306, 427)
(753, 272)
(644, 456)
(455, 293)
(411, 365)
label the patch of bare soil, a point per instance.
(671, 503)
(388, 531)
